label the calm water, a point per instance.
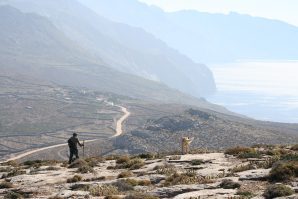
(261, 90)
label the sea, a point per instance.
(263, 90)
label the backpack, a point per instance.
(71, 143)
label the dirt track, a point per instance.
(118, 132)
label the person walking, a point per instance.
(73, 148)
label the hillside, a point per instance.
(123, 47)
(238, 173)
(207, 37)
(163, 128)
(30, 45)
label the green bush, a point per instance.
(277, 190)
(283, 171)
(229, 184)
(13, 195)
(197, 162)
(74, 179)
(125, 174)
(290, 157)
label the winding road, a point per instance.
(118, 132)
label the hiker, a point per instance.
(185, 144)
(73, 149)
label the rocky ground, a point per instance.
(260, 172)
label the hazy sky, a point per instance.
(285, 10)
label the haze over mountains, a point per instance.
(124, 48)
(206, 37)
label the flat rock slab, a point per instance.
(75, 194)
(256, 174)
(209, 193)
(169, 192)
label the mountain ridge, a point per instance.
(206, 37)
(123, 47)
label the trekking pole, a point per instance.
(83, 148)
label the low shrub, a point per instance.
(278, 190)
(80, 187)
(140, 196)
(295, 147)
(95, 179)
(243, 152)
(55, 197)
(123, 186)
(290, 157)
(122, 160)
(112, 197)
(132, 164)
(13, 195)
(103, 190)
(144, 182)
(125, 174)
(245, 194)
(82, 166)
(6, 185)
(11, 163)
(78, 163)
(185, 178)
(111, 168)
(92, 162)
(197, 162)
(148, 156)
(5, 169)
(85, 169)
(251, 154)
(51, 168)
(175, 157)
(16, 172)
(229, 184)
(39, 163)
(74, 179)
(240, 168)
(283, 171)
(166, 169)
(134, 182)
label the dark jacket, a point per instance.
(73, 143)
